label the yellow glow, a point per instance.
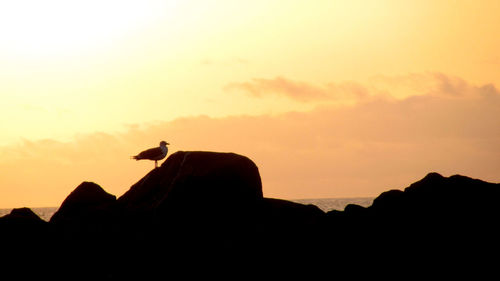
(53, 27)
(76, 67)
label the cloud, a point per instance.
(298, 90)
(432, 83)
(333, 151)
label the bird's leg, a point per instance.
(156, 163)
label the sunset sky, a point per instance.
(338, 98)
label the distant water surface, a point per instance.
(328, 204)
(325, 204)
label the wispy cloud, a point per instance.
(432, 83)
(301, 91)
(298, 90)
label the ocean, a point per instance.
(328, 204)
(325, 204)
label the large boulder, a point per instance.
(88, 203)
(441, 200)
(290, 216)
(446, 216)
(22, 229)
(22, 217)
(284, 222)
(434, 201)
(24, 238)
(197, 186)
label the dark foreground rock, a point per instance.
(201, 187)
(88, 203)
(436, 224)
(22, 217)
(204, 212)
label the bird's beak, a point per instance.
(168, 143)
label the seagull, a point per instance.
(156, 153)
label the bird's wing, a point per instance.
(150, 153)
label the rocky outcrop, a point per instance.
(437, 218)
(21, 217)
(207, 208)
(22, 229)
(201, 186)
(434, 198)
(291, 216)
(88, 203)
(437, 199)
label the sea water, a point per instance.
(325, 204)
(328, 204)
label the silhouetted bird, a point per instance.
(155, 154)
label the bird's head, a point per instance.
(164, 143)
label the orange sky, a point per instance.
(329, 98)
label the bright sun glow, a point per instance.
(32, 27)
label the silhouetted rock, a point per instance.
(436, 198)
(451, 218)
(282, 223)
(355, 210)
(22, 229)
(201, 186)
(24, 237)
(281, 213)
(22, 216)
(207, 208)
(87, 203)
